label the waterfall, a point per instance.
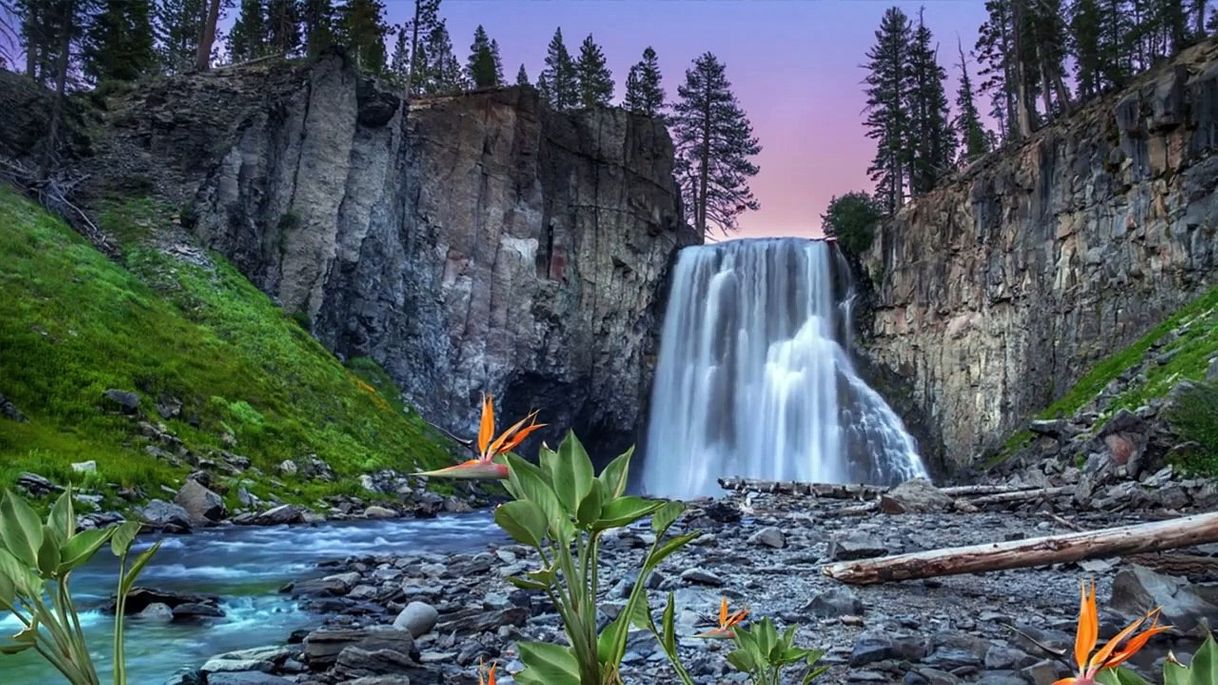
(754, 379)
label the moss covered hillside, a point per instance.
(219, 372)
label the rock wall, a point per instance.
(472, 243)
(997, 291)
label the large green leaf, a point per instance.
(572, 473)
(8, 590)
(668, 638)
(62, 518)
(20, 529)
(665, 516)
(133, 573)
(1120, 676)
(624, 511)
(25, 581)
(667, 548)
(123, 537)
(589, 511)
(532, 486)
(616, 474)
(524, 521)
(82, 546)
(547, 664)
(48, 554)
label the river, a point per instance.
(246, 566)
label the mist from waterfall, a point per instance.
(754, 381)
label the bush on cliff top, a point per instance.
(74, 324)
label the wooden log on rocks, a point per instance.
(997, 556)
(855, 491)
(1020, 496)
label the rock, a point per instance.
(1211, 373)
(1137, 590)
(168, 406)
(851, 545)
(917, 495)
(701, 577)
(418, 618)
(723, 512)
(770, 536)
(202, 505)
(194, 610)
(280, 515)
(124, 401)
(264, 659)
(873, 645)
(166, 516)
(379, 512)
(1051, 427)
(156, 612)
(287, 468)
(357, 662)
(10, 411)
(246, 678)
(36, 485)
(322, 646)
(833, 603)
(83, 467)
(142, 597)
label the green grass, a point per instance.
(1194, 415)
(1190, 355)
(73, 323)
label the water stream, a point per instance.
(246, 566)
(754, 378)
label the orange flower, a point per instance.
(489, 674)
(484, 466)
(1108, 656)
(727, 623)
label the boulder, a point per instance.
(168, 406)
(838, 601)
(246, 678)
(123, 401)
(264, 659)
(770, 536)
(156, 612)
(280, 515)
(322, 646)
(378, 512)
(10, 411)
(851, 545)
(418, 618)
(165, 516)
(1137, 590)
(84, 467)
(202, 505)
(917, 495)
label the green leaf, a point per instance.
(547, 664)
(813, 673)
(590, 506)
(671, 545)
(616, 474)
(20, 529)
(62, 518)
(123, 537)
(532, 486)
(25, 581)
(133, 574)
(668, 624)
(48, 554)
(524, 521)
(571, 473)
(1120, 676)
(665, 516)
(8, 589)
(82, 546)
(526, 583)
(15, 648)
(624, 511)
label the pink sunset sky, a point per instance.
(795, 66)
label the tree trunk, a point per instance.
(414, 50)
(67, 27)
(997, 556)
(203, 56)
(1025, 109)
(704, 165)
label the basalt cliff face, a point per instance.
(997, 291)
(468, 244)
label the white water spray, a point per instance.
(752, 379)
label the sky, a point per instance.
(795, 66)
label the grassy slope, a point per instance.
(1189, 359)
(73, 324)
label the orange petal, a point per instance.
(496, 446)
(1088, 626)
(717, 634)
(723, 611)
(519, 437)
(1137, 642)
(487, 429)
(737, 617)
(470, 470)
(1066, 681)
(1100, 659)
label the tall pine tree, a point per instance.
(974, 139)
(522, 77)
(595, 79)
(399, 60)
(558, 83)
(715, 144)
(118, 45)
(247, 40)
(644, 94)
(178, 25)
(363, 29)
(317, 25)
(887, 120)
(482, 68)
(426, 19)
(1084, 46)
(931, 144)
(282, 27)
(443, 71)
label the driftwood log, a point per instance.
(1107, 542)
(864, 492)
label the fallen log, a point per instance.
(1042, 551)
(1020, 496)
(855, 490)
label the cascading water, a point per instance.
(753, 380)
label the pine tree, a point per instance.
(1084, 47)
(207, 38)
(177, 24)
(247, 40)
(363, 29)
(317, 24)
(644, 94)
(443, 71)
(714, 142)
(522, 77)
(481, 68)
(558, 83)
(1116, 37)
(118, 44)
(1047, 37)
(498, 62)
(887, 120)
(595, 79)
(931, 144)
(851, 219)
(399, 62)
(973, 136)
(283, 27)
(426, 18)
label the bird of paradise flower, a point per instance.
(485, 466)
(1108, 657)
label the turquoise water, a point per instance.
(246, 566)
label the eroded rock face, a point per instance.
(468, 244)
(998, 291)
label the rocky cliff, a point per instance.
(468, 244)
(997, 291)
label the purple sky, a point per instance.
(795, 66)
